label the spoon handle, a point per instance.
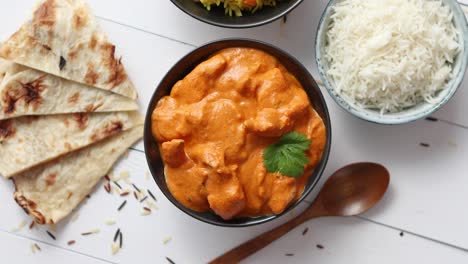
(248, 248)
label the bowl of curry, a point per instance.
(237, 133)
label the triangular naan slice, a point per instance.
(51, 191)
(63, 38)
(29, 141)
(25, 91)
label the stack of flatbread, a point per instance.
(67, 109)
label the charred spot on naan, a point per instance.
(30, 119)
(46, 47)
(50, 178)
(91, 76)
(45, 14)
(81, 120)
(80, 18)
(29, 92)
(62, 62)
(74, 98)
(110, 129)
(93, 107)
(7, 129)
(68, 146)
(30, 208)
(93, 42)
(119, 75)
(116, 70)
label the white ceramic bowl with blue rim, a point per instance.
(419, 111)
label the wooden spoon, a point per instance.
(351, 190)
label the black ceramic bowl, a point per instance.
(186, 65)
(217, 16)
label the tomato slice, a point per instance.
(250, 2)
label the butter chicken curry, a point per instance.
(216, 124)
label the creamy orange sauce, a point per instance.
(217, 121)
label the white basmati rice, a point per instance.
(391, 54)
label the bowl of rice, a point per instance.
(392, 61)
(237, 13)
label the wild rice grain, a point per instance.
(32, 225)
(94, 231)
(117, 233)
(122, 205)
(144, 198)
(37, 246)
(289, 254)
(71, 242)
(50, 234)
(107, 178)
(320, 246)
(118, 185)
(136, 188)
(170, 260)
(305, 231)
(152, 196)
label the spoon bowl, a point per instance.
(351, 190)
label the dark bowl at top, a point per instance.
(217, 16)
(186, 65)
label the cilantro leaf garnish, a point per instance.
(287, 156)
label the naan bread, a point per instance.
(29, 141)
(64, 39)
(51, 191)
(25, 91)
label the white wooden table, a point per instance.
(422, 219)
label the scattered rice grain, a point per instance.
(91, 232)
(117, 233)
(122, 205)
(19, 227)
(51, 235)
(115, 248)
(136, 188)
(152, 195)
(151, 205)
(146, 211)
(144, 198)
(71, 242)
(110, 222)
(167, 240)
(118, 185)
(37, 246)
